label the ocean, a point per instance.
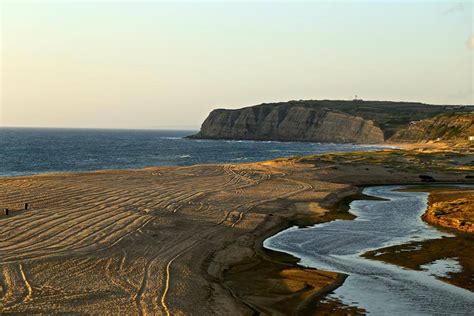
(26, 151)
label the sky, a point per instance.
(111, 64)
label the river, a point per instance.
(378, 287)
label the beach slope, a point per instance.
(182, 240)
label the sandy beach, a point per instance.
(236, 158)
(184, 240)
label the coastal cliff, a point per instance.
(338, 121)
(444, 127)
(289, 124)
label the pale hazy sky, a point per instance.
(151, 64)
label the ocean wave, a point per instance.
(131, 149)
(239, 159)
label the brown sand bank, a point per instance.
(452, 208)
(415, 255)
(182, 240)
(448, 207)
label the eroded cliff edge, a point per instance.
(447, 127)
(338, 121)
(289, 124)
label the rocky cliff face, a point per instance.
(389, 116)
(445, 127)
(294, 123)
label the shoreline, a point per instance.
(339, 202)
(457, 246)
(283, 261)
(451, 209)
(216, 216)
(308, 242)
(267, 255)
(381, 147)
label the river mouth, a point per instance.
(375, 286)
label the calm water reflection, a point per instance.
(380, 288)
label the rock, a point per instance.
(443, 127)
(390, 117)
(425, 178)
(294, 123)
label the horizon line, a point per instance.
(185, 129)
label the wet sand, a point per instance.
(181, 240)
(379, 288)
(448, 206)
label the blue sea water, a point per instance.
(25, 151)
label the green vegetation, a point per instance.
(396, 159)
(446, 127)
